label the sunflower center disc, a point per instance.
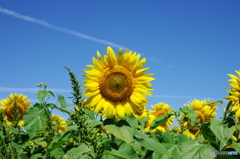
(116, 84)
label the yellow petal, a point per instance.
(90, 93)
(112, 56)
(120, 111)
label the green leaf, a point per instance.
(76, 153)
(150, 144)
(173, 142)
(41, 95)
(132, 120)
(62, 101)
(190, 112)
(219, 101)
(127, 150)
(36, 156)
(14, 130)
(93, 123)
(124, 133)
(114, 154)
(50, 92)
(192, 149)
(222, 131)
(159, 121)
(238, 127)
(16, 146)
(236, 146)
(208, 133)
(144, 121)
(35, 121)
(59, 140)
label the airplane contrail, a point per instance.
(46, 24)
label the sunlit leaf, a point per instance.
(62, 101)
(124, 133)
(159, 121)
(236, 146)
(221, 130)
(190, 112)
(150, 144)
(35, 120)
(78, 152)
(192, 149)
(41, 95)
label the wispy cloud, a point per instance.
(173, 96)
(170, 66)
(46, 24)
(31, 90)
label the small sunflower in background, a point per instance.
(59, 123)
(159, 110)
(205, 113)
(14, 107)
(234, 94)
(141, 113)
(116, 84)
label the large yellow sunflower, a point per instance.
(204, 112)
(159, 110)
(116, 84)
(8, 104)
(234, 94)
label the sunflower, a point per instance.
(14, 107)
(59, 123)
(234, 94)
(141, 113)
(116, 84)
(205, 113)
(159, 110)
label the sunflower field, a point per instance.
(111, 120)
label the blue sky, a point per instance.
(189, 45)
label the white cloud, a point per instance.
(170, 66)
(31, 90)
(46, 24)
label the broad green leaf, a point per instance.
(124, 133)
(173, 142)
(93, 123)
(132, 120)
(159, 121)
(192, 149)
(76, 153)
(190, 112)
(150, 144)
(62, 101)
(221, 130)
(114, 154)
(35, 121)
(41, 95)
(127, 150)
(236, 146)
